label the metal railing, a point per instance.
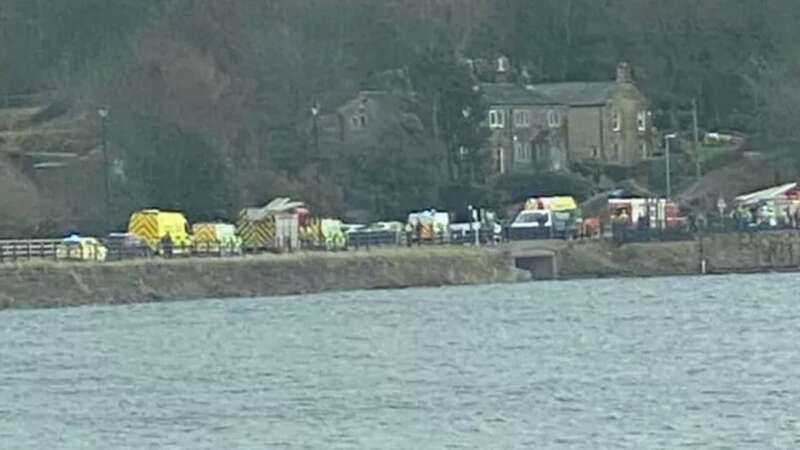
(22, 250)
(485, 237)
(24, 100)
(358, 240)
(625, 235)
(119, 252)
(16, 250)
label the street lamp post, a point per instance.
(317, 157)
(477, 228)
(315, 114)
(103, 113)
(466, 112)
(667, 140)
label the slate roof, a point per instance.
(577, 93)
(385, 108)
(513, 94)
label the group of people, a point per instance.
(764, 215)
(621, 218)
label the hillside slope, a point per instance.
(742, 176)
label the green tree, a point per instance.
(453, 108)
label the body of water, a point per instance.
(673, 363)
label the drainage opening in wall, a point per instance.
(540, 267)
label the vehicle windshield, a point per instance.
(532, 217)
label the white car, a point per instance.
(76, 248)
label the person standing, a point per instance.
(624, 219)
(166, 245)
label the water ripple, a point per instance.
(684, 363)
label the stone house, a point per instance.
(528, 128)
(608, 121)
(363, 122)
(375, 146)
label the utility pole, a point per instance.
(315, 110)
(103, 113)
(667, 170)
(695, 144)
(466, 112)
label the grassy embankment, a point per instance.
(595, 259)
(51, 284)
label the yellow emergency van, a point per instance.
(163, 231)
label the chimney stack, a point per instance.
(503, 69)
(624, 73)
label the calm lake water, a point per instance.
(700, 363)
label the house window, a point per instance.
(641, 121)
(497, 118)
(358, 122)
(500, 163)
(595, 153)
(645, 150)
(616, 121)
(553, 118)
(522, 119)
(522, 152)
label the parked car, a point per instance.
(126, 246)
(76, 248)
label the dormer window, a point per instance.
(616, 121)
(502, 64)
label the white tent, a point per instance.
(765, 194)
(276, 206)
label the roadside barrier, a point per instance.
(21, 250)
(16, 250)
(24, 100)
(467, 237)
(633, 235)
(358, 240)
